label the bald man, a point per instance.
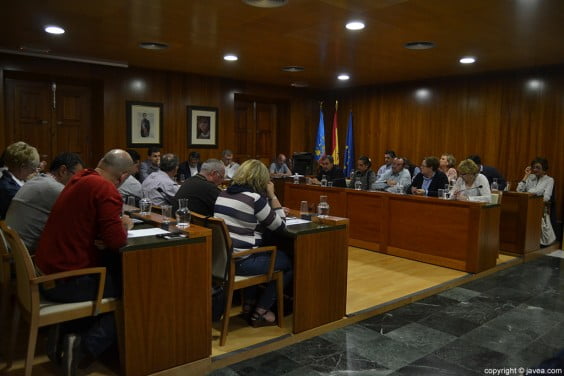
(279, 167)
(85, 230)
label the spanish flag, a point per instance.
(335, 138)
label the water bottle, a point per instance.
(324, 181)
(323, 207)
(183, 214)
(296, 179)
(495, 185)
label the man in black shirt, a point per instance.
(331, 172)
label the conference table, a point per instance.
(520, 226)
(166, 318)
(167, 290)
(461, 235)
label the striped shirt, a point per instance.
(246, 215)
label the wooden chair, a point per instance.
(223, 268)
(39, 312)
(6, 289)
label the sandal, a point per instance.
(258, 320)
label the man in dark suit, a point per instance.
(429, 180)
(190, 167)
(145, 126)
(489, 172)
(332, 173)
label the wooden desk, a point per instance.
(320, 272)
(166, 301)
(520, 224)
(457, 234)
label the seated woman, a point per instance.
(536, 181)
(249, 207)
(363, 173)
(446, 165)
(470, 183)
(429, 180)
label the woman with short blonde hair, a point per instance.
(470, 182)
(249, 206)
(21, 161)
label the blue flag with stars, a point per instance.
(320, 141)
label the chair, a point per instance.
(39, 312)
(6, 289)
(223, 268)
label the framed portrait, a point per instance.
(144, 124)
(202, 127)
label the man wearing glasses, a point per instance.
(202, 190)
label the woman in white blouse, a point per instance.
(536, 180)
(470, 182)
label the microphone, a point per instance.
(167, 197)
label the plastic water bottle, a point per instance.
(324, 181)
(358, 184)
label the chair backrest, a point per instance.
(25, 270)
(221, 244)
(5, 260)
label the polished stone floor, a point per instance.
(512, 319)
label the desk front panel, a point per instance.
(520, 226)
(295, 193)
(166, 306)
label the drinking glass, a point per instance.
(442, 194)
(145, 206)
(166, 212)
(131, 201)
(304, 208)
(329, 184)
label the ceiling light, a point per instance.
(419, 45)
(355, 25)
(153, 45)
(266, 3)
(343, 77)
(535, 84)
(293, 68)
(230, 57)
(467, 60)
(52, 29)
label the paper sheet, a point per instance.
(295, 221)
(146, 232)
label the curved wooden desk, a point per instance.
(460, 235)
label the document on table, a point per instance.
(146, 232)
(295, 221)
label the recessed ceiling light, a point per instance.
(153, 45)
(293, 68)
(230, 57)
(53, 29)
(419, 45)
(467, 60)
(355, 25)
(266, 3)
(343, 77)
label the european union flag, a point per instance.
(320, 141)
(349, 149)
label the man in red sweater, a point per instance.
(85, 230)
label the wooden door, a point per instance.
(52, 117)
(256, 123)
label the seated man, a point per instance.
(201, 190)
(20, 160)
(279, 167)
(150, 165)
(160, 186)
(489, 172)
(332, 173)
(230, 166)
(395, 180)
(190, 167)
(131, 186)
(389, 156)
(85, 230)
(31, 206)
(429, 180)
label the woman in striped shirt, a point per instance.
(249, 207)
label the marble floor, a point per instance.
(511, 319)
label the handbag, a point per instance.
(547, 232)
